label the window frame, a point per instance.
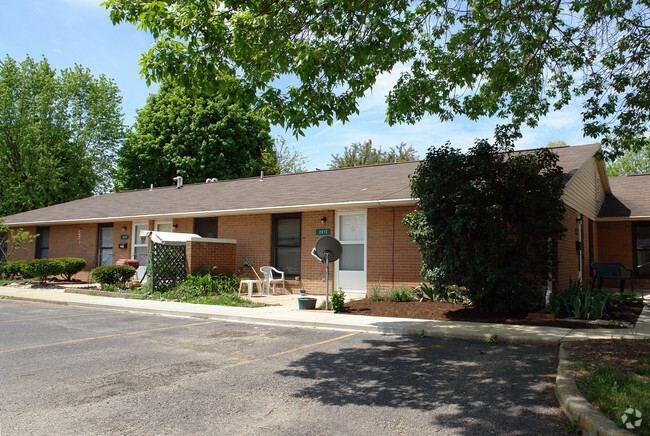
(204, 220)
(275, 246)
(635, 250)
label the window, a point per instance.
(286, 244)
(206, 227)
(642, 249)
(42, 242)
(165, 226)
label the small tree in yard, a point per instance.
(485, 221)
(11, 239)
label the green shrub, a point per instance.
(424, 292)
(452, 294)
(42, 268)
(376, 293)
(401, 293)
(72, 265)
(206, 284)
(338, 301)
(484, 220)
(10, 270)
(112, 274)
(580, 302)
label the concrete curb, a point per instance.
(575, 405)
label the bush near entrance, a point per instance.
(112, 274)
(42, 268)
(484, 222)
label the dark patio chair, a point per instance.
(613, 271)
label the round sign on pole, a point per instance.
(328, 250)
(331, 245)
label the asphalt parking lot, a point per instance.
(72, 370)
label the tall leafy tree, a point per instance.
(632, 162)
(515, 60)
(290, 160)
(484, 221)
(363, 153)
(58, 134)
(197, 136)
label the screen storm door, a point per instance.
(42, 243)
(105, 244)
(286, 244)
(140, 248)
(351, 267)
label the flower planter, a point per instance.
(306, 303)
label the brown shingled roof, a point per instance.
(362, 186)
(630, 198)
(366, 186)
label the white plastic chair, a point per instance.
(269, 279)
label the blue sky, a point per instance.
(79, 31)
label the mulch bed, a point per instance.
(621, 354)
(457, 312)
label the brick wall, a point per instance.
(25, 251)
(253, 236)
(74, 240)
(615, 244)
(185, 225)
(312, 272)
(122, 253)
(220, 257)
(393, 259)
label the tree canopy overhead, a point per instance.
(515, 60)
(59, 134)
(195, 136)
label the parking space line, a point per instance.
(57, 317)
(115, 335)
(271, 356)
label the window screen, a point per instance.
(286, 244)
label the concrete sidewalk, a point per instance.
(291, 316)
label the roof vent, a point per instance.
(261, 176)
(179, 181)
(211, 180)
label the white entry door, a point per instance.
(140, 248)
(351, 267)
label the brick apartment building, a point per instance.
(276, 220)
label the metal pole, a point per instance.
(327, 279)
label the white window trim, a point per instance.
(135, 224)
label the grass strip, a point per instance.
(614, 390)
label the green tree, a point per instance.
(58, 134)
(484, 221)
(290, 160)
(631, 162)
(197, 136)
(514, 60)
(363, 153)
(11, 239)
(557, 143)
